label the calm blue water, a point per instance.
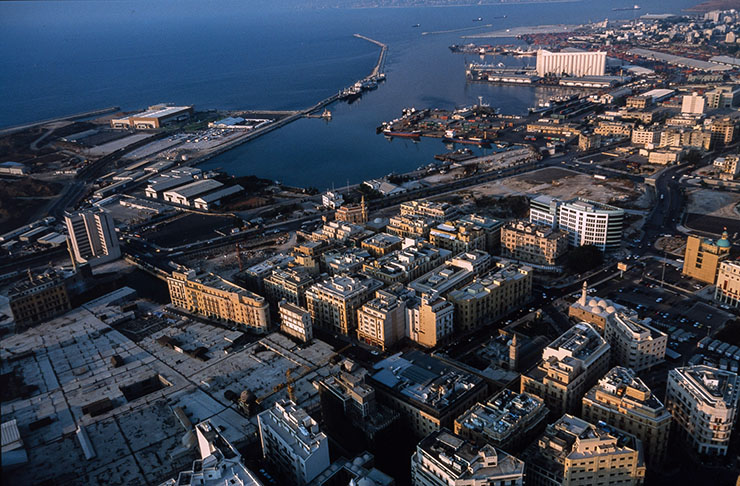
(69, 56)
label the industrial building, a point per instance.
(577, 64)
(156, 116)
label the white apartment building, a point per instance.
(292, 443)
(571, 63)
(295, 321)
(587, 222)
(443, 459)
(728, 283)
(92, 236)
(703, 401)
(635, 343)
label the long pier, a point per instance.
(377, 69)
(76, 116)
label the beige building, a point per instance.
(492, 296)
(333, 303)
(594, 311)
(406, 265)
(381, 321)
(729, 166)
(665, 157)
(614, 128)
(410, 226)
(645, 136)
(703, 257)
(444, 459)
(381, 244)
(588, 141)
(639, 102)
(622, 400)
(430, 320)
(295, 321)
(538, 244)
(156, 116)
(216, 298)
(353, 213)
(703, 402)
(457, 237)
(37, 299)
(573, 452)
(634, 343)
(288, 284)
(508, 420)
(437, 211)
(570, 365)
(723, 130)
(728, 284)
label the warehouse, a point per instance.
(155, 116)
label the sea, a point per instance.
(63, 57)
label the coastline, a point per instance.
(516, 31)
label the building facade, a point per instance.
(458, 237)
(622, 400)
(534, 243)
(570, 63)
(38, 299)
(381, 321)
(295, 321)
(92, 236)
(333, 303)
(634, 342)
(703, 257)
(430, 320)
(288, 284)
(727, 290)
(292, 443)
(703, 402)
(213, 297)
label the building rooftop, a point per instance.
(159, 111)
(382, 240)
(425, 380)
(581, 342)
(346, 287)
(295, 426)
(711, 386)
(196, 187)
(623, 383)
(463, 461)
(504, 415)
(630, 324)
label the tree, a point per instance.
(584, 258)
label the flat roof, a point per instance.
(160, 112)
(195, 188)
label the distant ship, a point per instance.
(413, 134)
(479, 19)
(416, 25)
(622, 9)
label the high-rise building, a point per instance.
(428, 393)
(333, 303)
(622, 400)
(573, 452)
(429, 320)
(381, 321)
(443, 459)
(704, 402)
(723, 130)
(217, 298)
(570, 365)
(92, 236)
(292, 443)
(703, 257)
(634, 342)
(535, 243)
(570, 63)
(491, 296)
(507, 420)
(587, 222)
(295, 321)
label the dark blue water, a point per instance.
(64, 57)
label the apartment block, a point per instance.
(491, 296)
(437, 211)
(622, 400)
(288, 284)
(381, 321)
(727, 290)
(645, 136)
(573, 452)
(458, 237)
(381, 244)
(703, 401)
(428, 393)
(410, 226)
(292, 443)
(454, 273)
(535, 243)
(507, 420)
(570, 365)
(295, 321)
(406, 265)
(216, 298)
(491, 228)
(443, 459)
(634, 342)
(429, 320)
(333, 303)
(38, 298)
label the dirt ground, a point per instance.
(712, 202)
(566, 184)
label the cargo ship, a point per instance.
(468, 141)
(412, 134)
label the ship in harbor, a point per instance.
(353, 92)
(481, 142)
(410, 134)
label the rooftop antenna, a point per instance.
(30, 276)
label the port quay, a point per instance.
(376, 74)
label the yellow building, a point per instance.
(381, 244)
(458, 237)
(430, 320)
(410, 226)
(333, 303)
(353, 213)
(703, 256)
(534, 243)
(216, 298)
(622, 400)
(573, 452)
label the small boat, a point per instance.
(479, 19)
(416, 25)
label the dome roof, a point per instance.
(603, 304)
(596, 309)
(724, 242)
(593, 303)
(611, 309)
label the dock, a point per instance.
(76, 116)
